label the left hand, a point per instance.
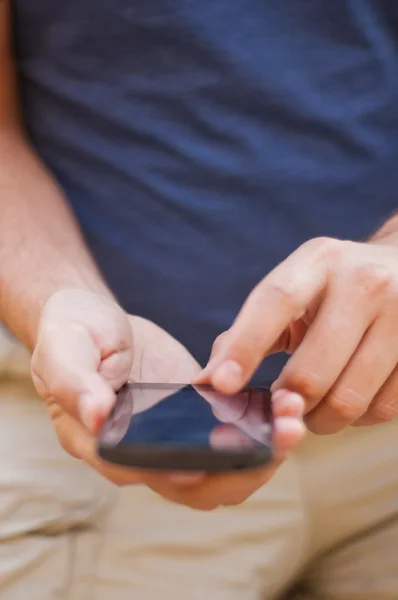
(333, 305)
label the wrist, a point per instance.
(26, 319)
(88, 280)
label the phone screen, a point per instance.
(178, 417)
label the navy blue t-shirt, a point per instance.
(201, 141)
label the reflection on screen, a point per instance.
(169, 415)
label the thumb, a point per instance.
(65, 366)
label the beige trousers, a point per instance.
(329, 519)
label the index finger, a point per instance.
(280, 298)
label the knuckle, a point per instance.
(53, 329)
(303, 382)
(345, 404)
(372, 279)
(50, 328)
(383, 412)
(36, 362)
(40, 385)
(56, 414)
(285, 291)
(327, 250)
(57, 386)
(324, 245)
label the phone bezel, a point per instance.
(186, 458)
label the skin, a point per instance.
(333, 305)
(84, 345)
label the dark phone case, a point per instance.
(185, 459)
(182, 458)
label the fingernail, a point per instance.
(87, 410)
(229, 375)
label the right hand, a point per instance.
(86, 348)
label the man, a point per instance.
(183, 150)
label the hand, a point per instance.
(87, 347)
(333, 305)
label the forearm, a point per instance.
(41, 247)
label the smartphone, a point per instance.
(178, 427)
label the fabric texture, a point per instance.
(329, 519)
(201, 141)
